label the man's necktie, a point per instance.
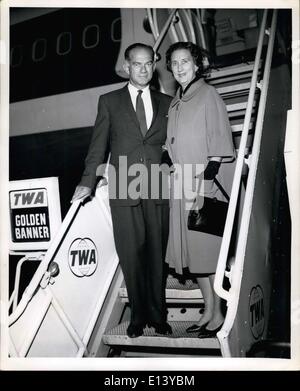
(140, 112)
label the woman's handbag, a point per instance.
(211, 217)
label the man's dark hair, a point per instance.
(135, 46)
(197, 54)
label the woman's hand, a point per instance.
(165, 159)
(211, 170)
(166, 164)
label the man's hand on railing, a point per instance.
(102, 182)
(81, 193)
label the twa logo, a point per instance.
(257, 311)
(83, 257)
(28, 198)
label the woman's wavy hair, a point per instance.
(197, 53)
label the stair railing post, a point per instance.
(164, 30)
(222, 260)
(246, 213)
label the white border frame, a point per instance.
(160, 364)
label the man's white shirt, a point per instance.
(146, 96)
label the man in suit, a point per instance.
(131, 124)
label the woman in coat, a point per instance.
(198, 137)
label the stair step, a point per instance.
(241, 88)
(187, 290)
(178, 339)
(239, 127)
(239, 114)
(225, 81)
(174, 290)
(231, 70)
(235, 107)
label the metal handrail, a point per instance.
(151, 23)
(236, 277)
(159, 36)
(67, 323)
(41, 278)
(37, 256)
(199, 20)
(223, 255)
(188, 15)
(164, 30)
(36, 323)
(155, 22)
(182, 30)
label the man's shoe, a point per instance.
(161, 328)
(134, 331)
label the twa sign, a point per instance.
(83, 257)
(34, 213)
(29, 215)
(28, 198)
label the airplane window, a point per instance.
(16, 56)
(116, 30)
(64, 43)
(90, 36)
(39, 49)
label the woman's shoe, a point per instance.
(195, 328)
(205, 333)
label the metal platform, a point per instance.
(178, 339)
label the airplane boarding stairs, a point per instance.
(184, 299)
(76, 303)
(71, 302)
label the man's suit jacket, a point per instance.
(117, 131)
